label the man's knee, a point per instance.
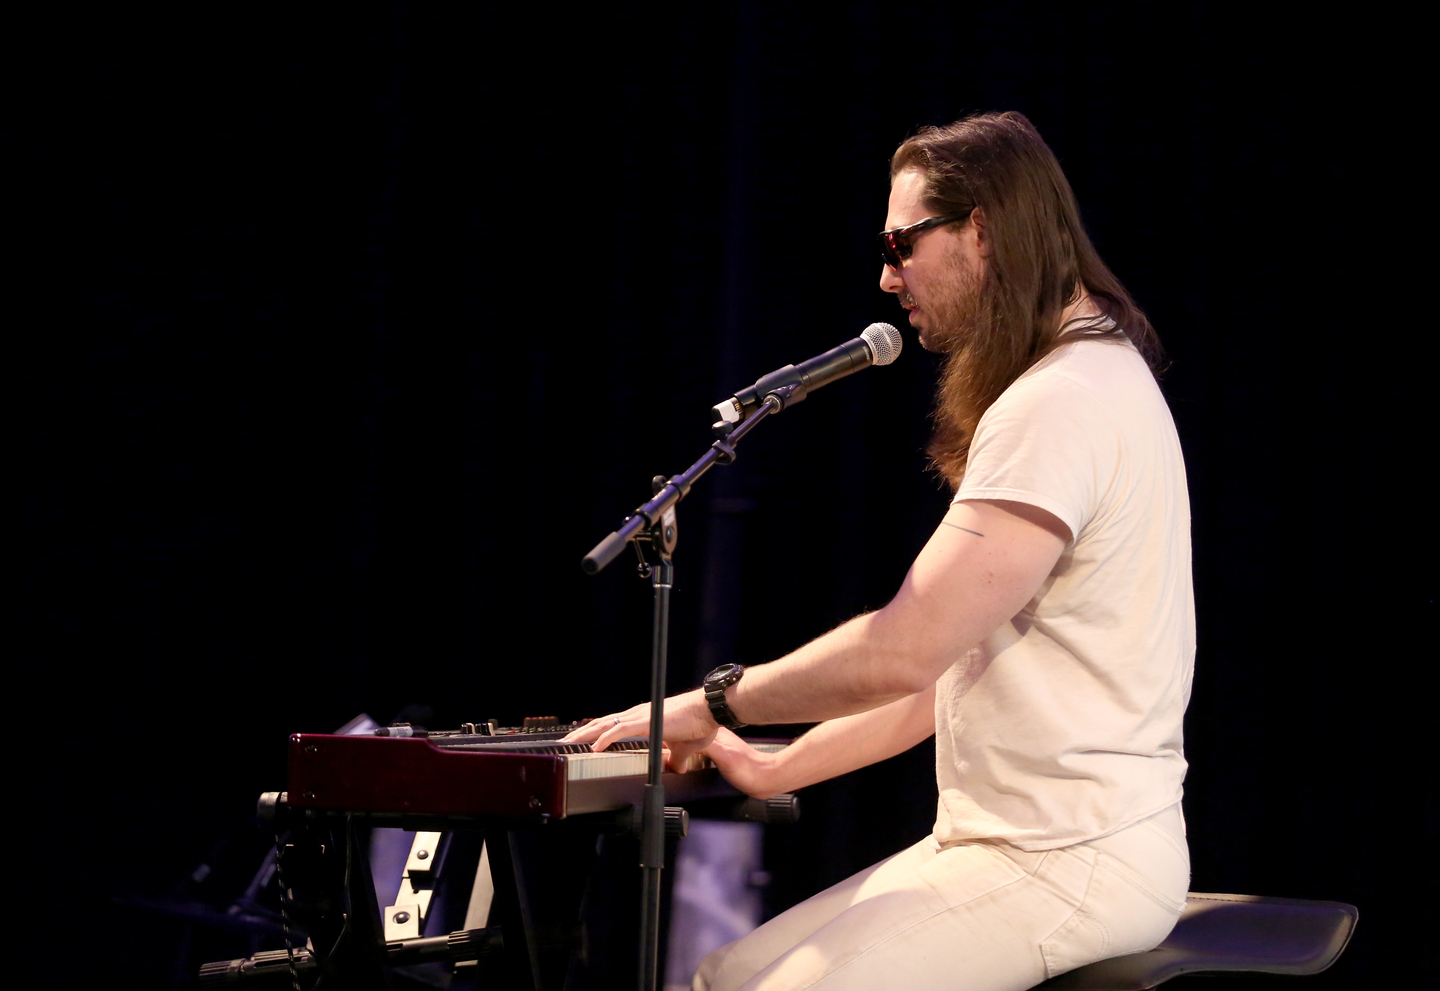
(704, 979)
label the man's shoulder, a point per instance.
(1108, 370)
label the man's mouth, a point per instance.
(911, 306)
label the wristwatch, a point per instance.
(715, 684)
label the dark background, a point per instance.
(346, 334)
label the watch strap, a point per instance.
(715, 696)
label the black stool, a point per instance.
(1218, 933)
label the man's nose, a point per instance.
(890, 280)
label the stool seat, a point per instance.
(1218, 933)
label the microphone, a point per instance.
(878, 344)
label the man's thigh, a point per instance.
(918, 920)
(975, 916)
(756, 950)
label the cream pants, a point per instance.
(972, 916)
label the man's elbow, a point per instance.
(912, 679)
(915, 659)
(909, 668)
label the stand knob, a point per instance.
(268, 807)
(779, 809)
(677, 822)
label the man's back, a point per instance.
(1065, 724)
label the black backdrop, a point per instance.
(346, 334)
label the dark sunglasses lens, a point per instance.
(890, 249)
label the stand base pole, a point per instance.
(652, 841)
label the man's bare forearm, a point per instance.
(851, 669)
(839, 746)
(830, 749)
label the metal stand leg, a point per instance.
(652, 842)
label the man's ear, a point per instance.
(980, 222)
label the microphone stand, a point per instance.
(652, 529)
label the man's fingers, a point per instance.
(681, 751)
(619, 727)
(635, 722)
(607, 736)
(588, 732)
(606, 727)
(677, 757)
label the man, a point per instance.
(1045, 634)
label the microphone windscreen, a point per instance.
(884, 341)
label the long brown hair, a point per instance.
(1040, 260)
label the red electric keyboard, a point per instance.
(483, 770)
(498, 794)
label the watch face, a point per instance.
(724, 676)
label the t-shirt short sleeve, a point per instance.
(1047, 442)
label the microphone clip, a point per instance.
(788, 395)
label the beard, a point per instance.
(961, 328)
(954, 307)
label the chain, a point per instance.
(285, 915)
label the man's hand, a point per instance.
(689, 727)
(754, 772)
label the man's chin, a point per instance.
(927, 340)
(940, 342)
(933, 342)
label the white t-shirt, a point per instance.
(1065, 724)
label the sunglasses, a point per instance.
(897, 244)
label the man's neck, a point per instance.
(1079, 308)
